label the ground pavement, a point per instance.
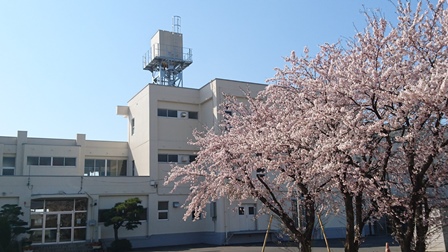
(257, 248)
(373, 244)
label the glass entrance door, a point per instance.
(51, 225)
(58, 227)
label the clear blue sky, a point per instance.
(66, 65)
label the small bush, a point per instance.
(121, 245)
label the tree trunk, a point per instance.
(350, 224)
(421, 227)
(305, 245)
(116, 233)
(359, 221)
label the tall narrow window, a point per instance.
(163, 210)
(132, 126)
(9, 165)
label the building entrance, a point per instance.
(58, 220)
(246, 213)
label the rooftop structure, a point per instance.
(167, 57)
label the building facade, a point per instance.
(64, 185)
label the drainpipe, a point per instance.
(225, 219)
(147, 215)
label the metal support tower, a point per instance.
(167, 57)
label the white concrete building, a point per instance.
(64, 185)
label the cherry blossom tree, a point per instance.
(258, 153)
(361, 124)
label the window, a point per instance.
(172, 113)
(194, 215)
(261, 172)
(69, 161)
(9, 165)
(177, 114)
(164, 158)
(45, 161)
(251, 210)
(193, 115)
(68, 215)
(162, 208)
(175, 158)
(162, 112)
(63, 161)
(193, 158)
(51, 161)
(132, 126)
(105, 167)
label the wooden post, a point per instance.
(323, 232)
(387, 248)
(267, 232)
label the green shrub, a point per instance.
(121, 245)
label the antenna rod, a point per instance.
(176, 24)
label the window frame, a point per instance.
(171, 113)
(102, 167)
(50, 161)
(8, 169)
(163, 210)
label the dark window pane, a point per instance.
(8, 172)
(36, 236)
(50, 235)
(162, 112)
(36, 220)
(79, 234)
(241, 210)
(65, 220)
(89, 167)
(33, 161)
(193, 158)
(163, 205)
(56, 205)
(9, 162)
(89, 163)
(80, 219)
(251, 210)
(70, 161)
(100, 163)
(80, 204)
(193, 115)
(100, 167)
(112, 167)
(172, 158)
(58, 161)
(172, 113)
(122, 167)
(65, 235)
(45, 161)
(132, 126)
(163, 215)
(163, 158)
(51, 220)
(37, 205)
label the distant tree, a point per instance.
(11, 225)
(124, 214)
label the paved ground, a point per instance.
(257, 248)
(372, 244)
